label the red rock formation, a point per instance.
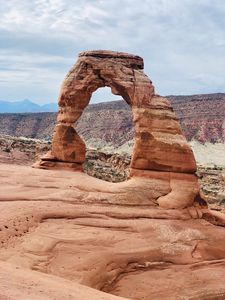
(159, 144)
(120, 241)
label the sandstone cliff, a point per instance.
(202, 117)
(30, 125)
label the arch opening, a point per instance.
(104, 94)
(107, 128)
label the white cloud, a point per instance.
(24, 72)
(12, 16)
(181, 41)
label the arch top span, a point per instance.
(134, 60)
(120, 71)
(159, 144)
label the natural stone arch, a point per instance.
(162, 165)
(158, 143)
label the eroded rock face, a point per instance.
(159, 144)
(68, 145)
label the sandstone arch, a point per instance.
(159, 142)
(161, 154)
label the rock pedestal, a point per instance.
(159, 145)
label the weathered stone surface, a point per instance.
(62, 237)
(159, 142)
(150, 237)
(67, 145)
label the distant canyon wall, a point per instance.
(202, 117)
(110, 124)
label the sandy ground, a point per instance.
(63, 237)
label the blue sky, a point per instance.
(181, 41)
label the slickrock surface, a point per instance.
(60, 229)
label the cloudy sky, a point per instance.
(181, 41)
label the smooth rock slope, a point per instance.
(60, 229)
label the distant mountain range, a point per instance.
(26, 106)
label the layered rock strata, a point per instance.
(160, 149)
